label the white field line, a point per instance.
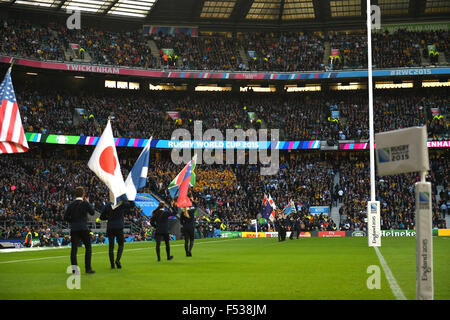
(396, 290)
(136, 249)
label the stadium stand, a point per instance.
(35, 195)
(305, 117)
(288, 51)
(37, 186)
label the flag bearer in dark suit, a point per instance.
(114, 229)
(187, 221)
(160, 220)
(77, 214)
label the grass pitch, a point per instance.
(227, 269)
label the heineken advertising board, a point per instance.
(398, 233)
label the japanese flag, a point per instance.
(105, 164)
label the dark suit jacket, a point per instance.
(160, 220)
(77, 215)
(116, 217)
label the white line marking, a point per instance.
(396, 290)
(136, 249)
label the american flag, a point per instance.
(12, 136)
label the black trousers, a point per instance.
(283, 234)
(188, 239)
(83, 236)
(158, 238)
(118, 235)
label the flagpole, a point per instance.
(12, 64)
(371, 120)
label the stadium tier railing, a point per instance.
(217, 70)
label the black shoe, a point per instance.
(189, 254)
(170, 258)
(90, 271)
(113, 266)
(119, 266)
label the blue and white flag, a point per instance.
(137, 178)
(289, 208)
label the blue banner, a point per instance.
(146, 202)
(319, 210)
(335, 114)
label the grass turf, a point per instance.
(227, 269)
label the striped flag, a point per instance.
(12, 135)
(174, 186)
(180, 185)
(289, 208)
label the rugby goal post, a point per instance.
(405, 151)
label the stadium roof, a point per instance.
(243, 12)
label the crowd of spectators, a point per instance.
(52, 41)
(36, 191)
(234, 194)
(398, 49)
(24, 39)
(199, 53)
(395, 193)
(285, 51)
(352, 51)
(298, 117)
(395, 49)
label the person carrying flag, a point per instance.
(160, 220)
(187, 221)
(281, 225)
(76, 214)
(114, 229)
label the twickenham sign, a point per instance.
(88, 68)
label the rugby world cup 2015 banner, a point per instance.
(172, 144)
(365, 145)
(222, 75)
